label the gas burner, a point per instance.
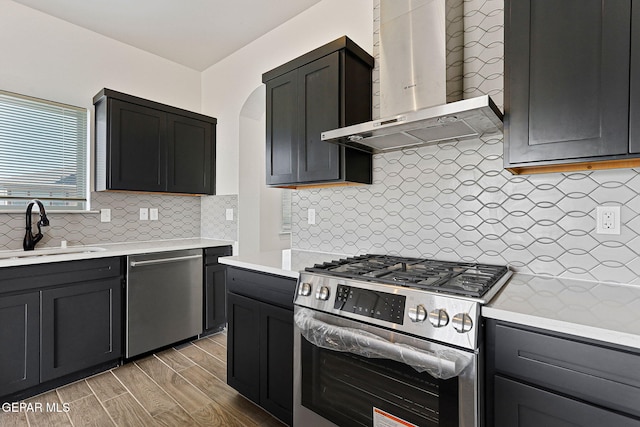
(457, 278)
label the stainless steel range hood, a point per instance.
(420, 58)
(464, 119)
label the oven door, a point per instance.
(343, 387)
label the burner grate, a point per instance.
(466, 279)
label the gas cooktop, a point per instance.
(467, 279)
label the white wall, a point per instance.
(228, 84)
(49, 58)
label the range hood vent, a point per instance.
(419, 51)
(459, 120)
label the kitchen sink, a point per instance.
(49, 251)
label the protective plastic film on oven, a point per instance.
(442, 363)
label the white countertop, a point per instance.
(287, 263)
(110, 249)
(600, 311)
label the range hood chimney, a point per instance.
(420, 59)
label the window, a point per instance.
(43, 153)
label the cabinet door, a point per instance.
(566, 79)
(319, 107)
(243, 346)
(191, 155)
(282, 122)
(634, 113)
(20, 338)
(276, 361)
(81, 327)
(215, 314)
(519, 405)
(138, 147)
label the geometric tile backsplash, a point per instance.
(454, 201)
(179, 217)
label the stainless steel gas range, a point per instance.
(391, 341)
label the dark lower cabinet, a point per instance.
(60, 322)
(20, 338)
(541, 378)
(260, 339)
(521, 405)
(81, 327)
(215, 291)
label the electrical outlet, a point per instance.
(229, 214)
(311, 216)
(144, 214)
(153, 214)
(105, 215)
(608, 220)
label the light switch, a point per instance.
(229, 214)
(144, 214)
(153, 214)
(311, 216)
(105, 215)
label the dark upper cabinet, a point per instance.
(327, 88)
(20, 338)
(142, 145)
(567, 84)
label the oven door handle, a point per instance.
(444, 364)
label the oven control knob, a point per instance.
(462, 322)
(438, 318)
(305, 289)
(418, 314)
(323, 293)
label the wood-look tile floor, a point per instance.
(177, 387)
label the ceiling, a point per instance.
(194, 33)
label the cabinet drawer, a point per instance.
(597, 374)
(522, 405)
(262, 286)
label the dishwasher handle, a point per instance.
(163, 260)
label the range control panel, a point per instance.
(450, 320)
(370, 303)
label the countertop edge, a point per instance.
(258, 267)
(119, 249)
(553, 325)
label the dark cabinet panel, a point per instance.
(566, 81)
(260, 339)
(215, 289)
(282, 123)
(138, 144)
(319, 105)
(243, 346)
(324, 89)
(276, 361)
(634, 94)
(143, 145)
(20, 338)
(520, 405)
(191, 157)
(536, 377)
(81, 327)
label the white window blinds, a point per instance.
(43, 153)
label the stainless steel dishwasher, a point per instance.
(163, 299)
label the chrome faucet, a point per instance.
(30, 240)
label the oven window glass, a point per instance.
(344, 388)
